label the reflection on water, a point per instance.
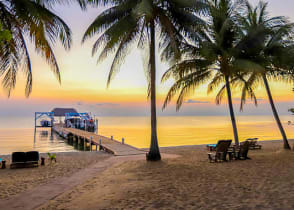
(44, 135)
(172, 131)
(191, 130)
(22, 140)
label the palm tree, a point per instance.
(267, 49)
(33, 19)
(212, 59)
(130, 22)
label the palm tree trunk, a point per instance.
(285, 140)
(154, 153)
(232, 110)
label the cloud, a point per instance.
(191, 101)
(107, 104)
(81, 103)
(239, 99)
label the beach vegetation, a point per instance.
(52, 157)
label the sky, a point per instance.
(84, 81)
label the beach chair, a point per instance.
(24, 159)
(253, 143)
(18, 160)
(32, 159)
(2, 163)
(211, 147)
(242, 152)
(221, 151)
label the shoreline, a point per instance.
(202, 145)
(146, 149)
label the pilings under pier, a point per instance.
(84, 140)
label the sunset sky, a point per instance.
(84, 82)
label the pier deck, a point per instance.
(109, 145)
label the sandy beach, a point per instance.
(15, 181)
(186, 182)
(190, 182)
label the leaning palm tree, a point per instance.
(211, 59)
(267, 49)
(130, 22)
(32, 19)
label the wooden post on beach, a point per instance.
(96, 126)
(91, 138)
(35, 128)
(111, 137)
(100, 147)
(123, 140)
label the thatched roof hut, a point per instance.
(60, 112)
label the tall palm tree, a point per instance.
(130, 22)
(32, 19)
(267, 49)
(211, 59)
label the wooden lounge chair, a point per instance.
(24, 160)
(18, 160)
(32, 159)
(242, 152)
(253, 143)
(221, 151)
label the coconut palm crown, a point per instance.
(29, 19)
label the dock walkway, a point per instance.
(107, 144)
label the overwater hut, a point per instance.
(60, 112)
(72, 119)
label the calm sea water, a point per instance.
(17, 134)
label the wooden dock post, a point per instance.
(35, 128)
(85, 144)
(100, 145)
(108, 144)
(91, 139)
(96, 126)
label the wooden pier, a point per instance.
(101, 142)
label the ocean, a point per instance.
(17, 134)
